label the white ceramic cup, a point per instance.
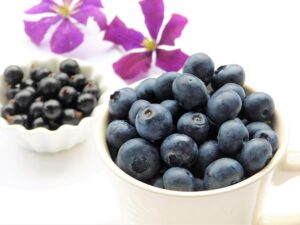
(239, 204)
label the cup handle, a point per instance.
(289, 168)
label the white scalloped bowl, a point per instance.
(66, 136)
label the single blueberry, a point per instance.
(13, 75)
(154, 122)
(195, 125)
(174, 108)
(258, 106)
(222, 173)
(49, 86)
(11, 92)
(68, 96)
(71, 116)
(121, 101)
(200, 65)
(257, 126)
(92, 88)
(163, 85)
(233, 87)
(231, 137)
(36, 109)
(139, 159)
(8, 110)
(190, 91)
(231, 73)
(63, 78)
(78, 81)
(40, 122)
(198, 185)
(145, 90)
(255, 155)
(23, 99)
(86, 103)
(270, 136)
(38, 74)
(157, 182)
(224, 106)
(178, 179)
(52, 109)
(135, 108)
(69, 66)
(179, 150)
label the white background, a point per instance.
(72, 187)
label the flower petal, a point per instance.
(173, 29)
(84, 12)
(118, 33)
(133, 64)
(43, 7)
(36, 30)
(66, 37)
(153, 11)
(96, 3)
(172, 60)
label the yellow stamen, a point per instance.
(63, 10)
(149, 45)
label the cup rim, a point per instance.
(102, 147)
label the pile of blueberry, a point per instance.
(48, 99)
(192, 131)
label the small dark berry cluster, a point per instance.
(194, 131)
(48, 99)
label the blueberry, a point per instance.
(233, 87)
(195, 125)
(52, 109)
(222, 173)
(71, 116)
(174, 108)
(54, 124)
(154, 122)
(118, 132)
(11, 92)
(92, 87)
(86, 103)
(178, 179)
(207, 153)
(13, 75)
(139, 159)
(63, 78)
(36, 109)
(231, 73)
(121, 101)
(257, 126)
(270, 136)
(32, 90)
(68, 95)
(28, 83)
(39, 73)
(258, 106)
(135, 108)
(69, 66)
(20, 119)
(8, 110)
(40, 122)
(201, 66)
(157, 182)
(231, 137)
(255, 155)
(179, 150)
(145, 90)
(190, 91)
(224, 106)
(23, 99)
(78, 81)
(163, 85)
(198, 185)
(49, 86)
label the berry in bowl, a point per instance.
(50, 105)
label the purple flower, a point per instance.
(137, 63)
(67, 35)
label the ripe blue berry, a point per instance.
(36, 109)
(157, 182)
(38, 74)
(145, 90)
(49, 86)
(86, 103)
(270, 136)
(23, 99)
(71, 116)
(198, 185)
(257, 126)
(163, 85)
(178, 179)
(68, 96)
(174, 108)
(135, 108)
(69, 66)
(13, 75)
(78, 81)
(233, 87)
(52, 109)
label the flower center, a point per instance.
(65, 9)
(149, 45)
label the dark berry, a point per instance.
(157, 182)
(8, 110)
(86, 103)
(52, 109)
(270, 136)
(39, 73)
(174, 108)
(135, 108)
(49, 86)
(257, 126)
(54, 124)
(163, 85)
(63, 78)
(20, 119)
(71, 116)
(13, 75)
(40, 122)
(69, 66)
(23, 99)
(92, 88)
(68, 95)
(178, 179)
(11, 92)
(233, 87)
(78, 81)
(145, 90)
(28, 83)
(198, 185)
(36, 109)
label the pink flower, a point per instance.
(137, 63)
(67, 35)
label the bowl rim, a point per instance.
(102, 148)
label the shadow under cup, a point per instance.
(239, 204)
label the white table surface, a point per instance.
(72, 187)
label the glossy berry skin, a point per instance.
(233, 87)
(8, 110)
(68, 95)
(224, 106)
(23, 99)
(121, 101)
(255, 155)
(20, 119)
(207, 153)
(118, 132)
(36, 109)
(63, 78)
(270, 136)
(163, 85)
(145, 90)
(231, 137)
(174, 108)
(71, 116)
(69, 66)
(40, 122)
(200, 65)
(135, 108)
(157, 182)
(178, 179)
(222, 173)
(258, 106)
(11, 92)
(179, 150)
(38, 74)
(154, 122)
(86, 103)
(78, 81)
(257, 126)
(49, 86)
(92, 87)
(231, 73)
(139, 159)
(13, 75)
(190, 91)
(198, 185)
(28, 83)
(52, 109)
(195, 125)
